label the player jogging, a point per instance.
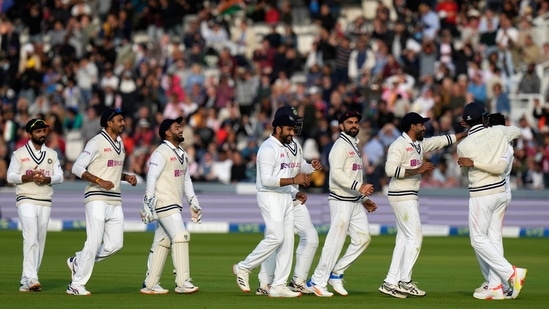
(488, 200)
(100, 163)
(348, 201)
(308, 236)
(33, 169)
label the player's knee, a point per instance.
(165, 242)
(312, 239)
(364, 240)
(275, 239)
(183, 236)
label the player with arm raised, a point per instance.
(308, 236)
(168, 179)
(482, 158)
(274, 183)
(348, 203)
(33, 169)
(100, 163)
(405, 165)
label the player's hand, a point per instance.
(366, 189)
(105, 184)
(301, 196)
(196, 210)
(148, 212)
(131, 179)
(465, 162)
(426, 167)
(302, 180)
(316, 165)
(370, 205)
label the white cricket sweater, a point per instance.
(107, 162)
(297, 163)
(168, 175)
(25, 160)
(486, 147)
(404, 154)
(346, 171)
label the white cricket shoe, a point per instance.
(242, 278)
(187, 288)
(34, 285)
(336, 281)
(78, 290)
(263, 289)
(490, 293)
(298, 285)
(282, 291)
(70, 263)
(319, 291)
(156, 289)
(517, 280)
(482, 287)
(391, 290)
(410, 288)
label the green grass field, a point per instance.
(446, 269)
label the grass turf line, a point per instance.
(446, 269)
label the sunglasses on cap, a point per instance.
(114, 112)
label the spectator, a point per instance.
(530, 82)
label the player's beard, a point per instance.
(38, 140)
(285, 139)
(419, 135)
(178, 138)
(353, 132)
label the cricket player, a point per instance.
(33, 169)
(275, 188)
(497, 119)
(100, 163)
(168, 179)
(405, 165)
(348, 201)
(488, 200)
(308, 236)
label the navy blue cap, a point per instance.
(473, 111)
(166, 124)
(109, 114)
(287, 110)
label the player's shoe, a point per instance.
(508, 294)
(242, 278)
(482, 287)
(391, 290)
(78, 290)
(336, 281)
(410, 288)
(23, 287)
(156, 289)
(490, 293)
(34, 285)
(70, 263)
(282, 291)
(319, 291)
(298, 285)
(187, 288)
(517, 280)
(263, 289)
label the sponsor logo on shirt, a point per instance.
(415, 162)
(25, 160)
(107, 149)
(357, 167)
(114, 163)
(178, 173)
(173, 159)
(408, 149)
(352, 153)
(282, 155)
(290, 165)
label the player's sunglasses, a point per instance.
(114, 112)
(36, 122)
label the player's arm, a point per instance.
(438, 142)
(510, 132)
(496, 169)
(156, 166)
(80, 166)
(57, 176)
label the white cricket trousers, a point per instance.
(496, 238)
(165, 227)
(408, 241)
(105, 237)
(486, 217)
(277, 212)
(346, 218)
(34, 226)
(305, 252)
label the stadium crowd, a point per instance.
(213, 63)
